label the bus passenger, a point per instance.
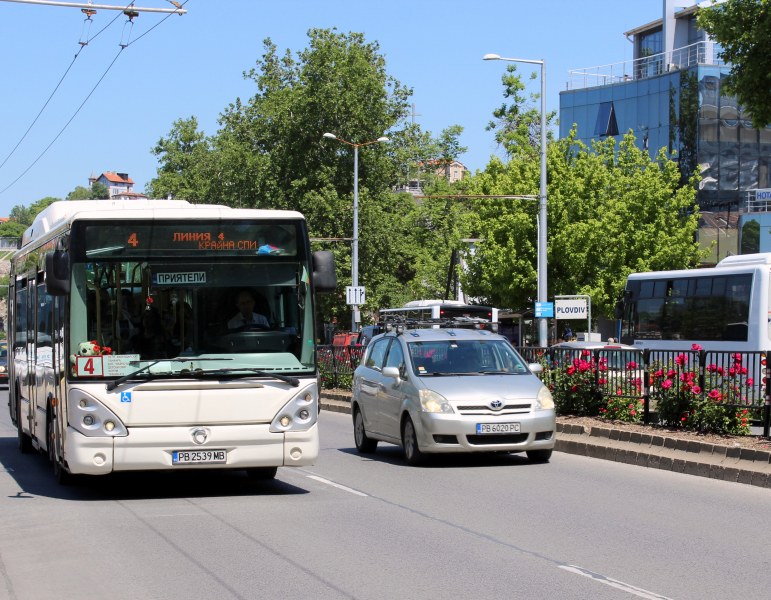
(151, 342)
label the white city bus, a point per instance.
(427, 310)
(121, 354)
(724, 308)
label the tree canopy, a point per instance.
(743, 30)
(269, 152)
(611, 209)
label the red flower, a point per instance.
(696, 348)
(666, 384)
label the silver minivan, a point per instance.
(450, 390)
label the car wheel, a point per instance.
(24, 441)
(262, 473)
(364, 444)
(539, 456)
(410, 443)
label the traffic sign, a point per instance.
(355, 295)
(544, 310)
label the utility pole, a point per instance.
(89, 6)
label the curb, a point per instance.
(726, 463)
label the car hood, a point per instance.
(465, 387)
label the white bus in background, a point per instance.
(724, 308)
(89, 389)
(427, 310)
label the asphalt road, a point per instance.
(372, 527)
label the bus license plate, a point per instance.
(198, 457)
(483, 428)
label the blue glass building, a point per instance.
(671, 95)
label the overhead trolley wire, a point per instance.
(61, 80)
(93, 89)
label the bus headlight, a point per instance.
(92, 418)
(299, 414)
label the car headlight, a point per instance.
(432, 402)
(544, 400)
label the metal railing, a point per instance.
(644, 67)
(734, 379)
(337, 364)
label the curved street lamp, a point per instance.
(543, 326)
(355, 317)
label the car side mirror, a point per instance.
(535, 368)
(392, 372)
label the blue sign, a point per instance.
(544, 310)
(125, 396)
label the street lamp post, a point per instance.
(543, 326)
(355, 318)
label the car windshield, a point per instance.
(452, 357)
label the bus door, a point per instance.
(21, 355)
(42, 359)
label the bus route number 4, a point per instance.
(89, 366)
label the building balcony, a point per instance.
(700, 53)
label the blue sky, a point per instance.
(192, 66)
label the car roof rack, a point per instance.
(401, 324)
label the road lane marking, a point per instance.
(337, 485)
(639, 592)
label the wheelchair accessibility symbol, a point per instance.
(125, 396)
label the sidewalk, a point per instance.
(741, 465)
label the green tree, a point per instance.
(611, 211)
(743, 29)
(269, 153)
(517, 124)
(185, 157)
(97, 191)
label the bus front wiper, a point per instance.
(293, 381)
(111, 385)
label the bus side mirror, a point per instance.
(619, 313)
(324, 276)
(58, 273)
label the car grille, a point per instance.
(506, 438)
(481, 409)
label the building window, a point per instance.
(606, 120)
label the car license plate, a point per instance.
(483, 428)
(198, 457)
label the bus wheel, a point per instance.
(262, 473)
(61, 474)
(24, 441)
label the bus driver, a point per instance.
(246, 315)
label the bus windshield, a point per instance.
(212, 299)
